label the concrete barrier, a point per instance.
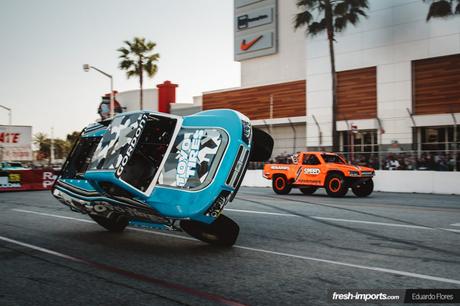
(391, 181)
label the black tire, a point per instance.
(222, 232)
(336, 185)
(261, 146)
(116, 224)
(363, 189)
(280, 185)
(308, 190)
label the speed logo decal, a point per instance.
(311, 171)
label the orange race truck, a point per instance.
(312, 170)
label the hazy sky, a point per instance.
(44, 44)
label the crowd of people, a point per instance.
(436, 161)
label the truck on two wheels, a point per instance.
(312, 170)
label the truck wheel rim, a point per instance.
(335, 184)
(279, 183)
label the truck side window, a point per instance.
(312, 160)
(305, 159)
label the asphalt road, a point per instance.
(291, 250)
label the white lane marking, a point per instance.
(333, 219)
(92, 222)
(260, 212)
(373, 223)
(332, 262)
(450, 230)
(37, 248)
(455, 224)
(51, 215)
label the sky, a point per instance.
(45, 43)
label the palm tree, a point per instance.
(330, 16)
(138, 57)
(44, 144)
(442, 8)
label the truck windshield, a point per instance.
(135, 146)
(332, 158)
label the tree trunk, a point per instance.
(141, 83)
(330, 37)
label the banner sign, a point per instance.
(15, 143)
(36, 179)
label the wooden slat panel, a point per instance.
(436, 84)
(289, 100)
(357, 94)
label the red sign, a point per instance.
(9, 137)
(39, 179)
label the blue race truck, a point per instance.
(162, 171)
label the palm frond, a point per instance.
(439, 9)
(316, 28)
(308, 4)
(302, 19)
(150, 68)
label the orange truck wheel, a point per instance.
(280, 185)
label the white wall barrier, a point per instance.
(391, 181)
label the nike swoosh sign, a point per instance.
(246, 46)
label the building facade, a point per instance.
(398, 81)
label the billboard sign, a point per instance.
(241, 3)
(15, 143)
(255, 28)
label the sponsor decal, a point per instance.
(9, 137)
(244, 46)
(124, 158)
(299, 171)
(279, 168)
(245, 20)
(311, 171)
(309, 182)
(48, 179)
(188, 157)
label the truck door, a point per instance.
(311, 171)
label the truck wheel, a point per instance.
(280, 185)
(261, 147)
(308, 190)
(116, 224)
(363, 189)
(336, 185)
(222, 232)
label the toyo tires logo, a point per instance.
(188, 157)
(132, 145)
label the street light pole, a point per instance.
(9, 113)
(86, 68)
